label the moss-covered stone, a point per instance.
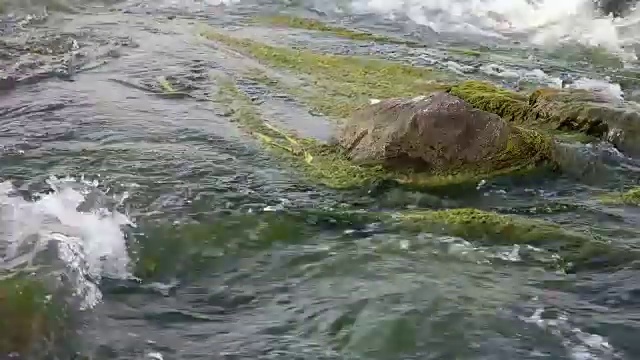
(441, 134)
(567, 110)
(31, 321)
(577, 251)
(341, 84)
(316, 25)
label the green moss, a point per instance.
(629, 197)
(29, 318)
(509, 105)
(166, 251)
(548, 109)
(316, 25)
(577, 251)
(165, 85)
(341, 83)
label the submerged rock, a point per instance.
(439, 134)
(569, 110)
(577, 251)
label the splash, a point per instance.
(544, 22)
(75, 221)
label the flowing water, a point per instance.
(181, 238)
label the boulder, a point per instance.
(439, 134)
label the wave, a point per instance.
(73, 228)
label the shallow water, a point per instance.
(237, 256)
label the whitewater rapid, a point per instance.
(71, 219)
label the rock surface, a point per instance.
(439, 134)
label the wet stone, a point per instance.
(437, 133)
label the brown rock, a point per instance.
(438, 133)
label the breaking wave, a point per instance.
(73, 228)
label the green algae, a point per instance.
(316, 25)
(30, 320)
(342, 83)
(577, 251)
(165, 85)
(629, 197)
(165, 251)
(553, 110)
(509, 105)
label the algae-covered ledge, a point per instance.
(338, 31)
(342, 83)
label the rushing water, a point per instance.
(102, 181)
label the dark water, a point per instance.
(237, 256)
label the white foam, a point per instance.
(89, 241)
(580, 345)
(544, 21)
(609, 91)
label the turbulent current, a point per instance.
(141, 205)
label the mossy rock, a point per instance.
(31, 319)
(440, 135)
(568, 110)
(330, 164)
(577, 251)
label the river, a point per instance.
(182, 238)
